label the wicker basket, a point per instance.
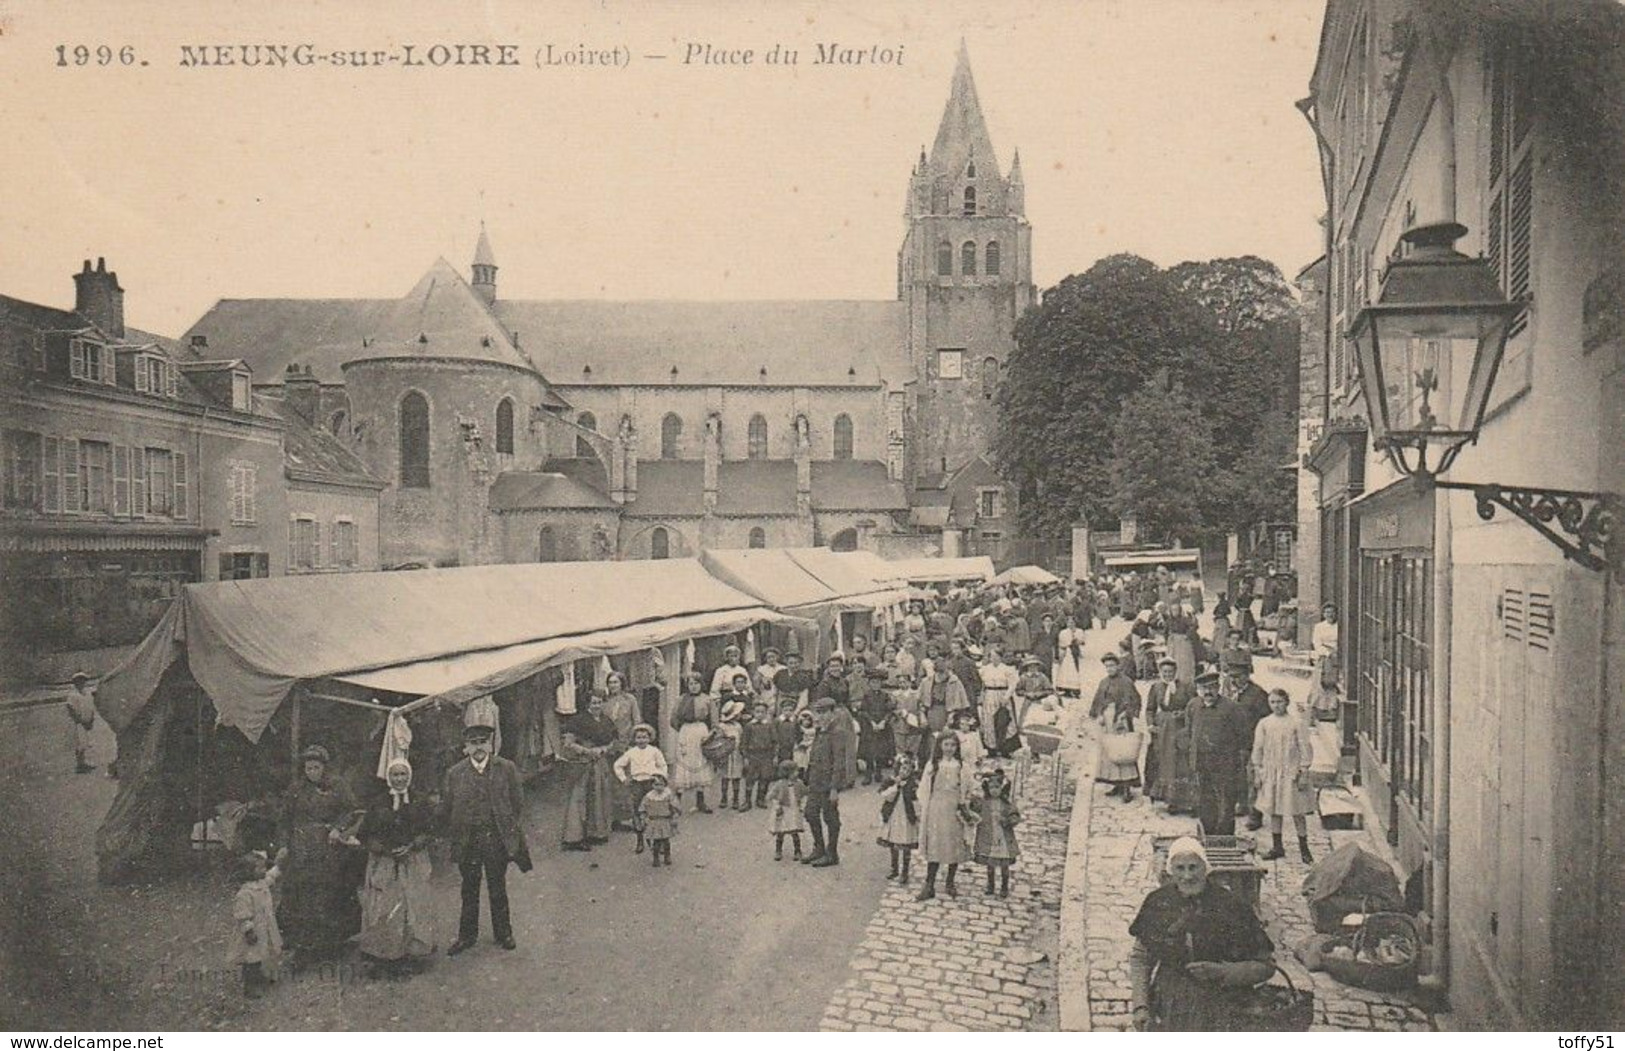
(1123, 749)
(1371, 974)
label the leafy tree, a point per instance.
(1257, 487)
(1162, 465)
(1096, 338)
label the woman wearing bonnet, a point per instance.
(397, 910)
(1195, 944)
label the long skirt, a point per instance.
(942, 833)
(586, 808)
(692, 769)
(397, 908)
(1068, 671)
(1173, 777)
(320, 908)
(1183, 651)
(1181, 1004)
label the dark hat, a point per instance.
(1238, 660)
(316, 752)
(1208, 678)
(824, 704)
(1109, 657)
(478, 732)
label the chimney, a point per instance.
(302, 392)
(200, 345)
(99, 299)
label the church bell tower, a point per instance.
(965, 273)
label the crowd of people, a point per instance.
(940, 716)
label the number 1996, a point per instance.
(101, 55)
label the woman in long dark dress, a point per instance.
(875, 740)
(587, 744)
(320, 907)
(1195, 944)
(397, 908)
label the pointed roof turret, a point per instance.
(963, 131)
(483, 256)
(1015, 169)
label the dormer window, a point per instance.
(89, 361)
(155, 374)
(242, 392)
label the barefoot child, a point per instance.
(659, 815)
(784, 800)
(900, 816)
(996, 829)
(257, 946)
(637, 768)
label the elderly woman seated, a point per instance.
(1196, 945)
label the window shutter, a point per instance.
(1541, 623)
(169, 379)
(121, 480)
(315, 545)
(182, 486)
(262, 565)
(138, 482)
(141, 375)
(1520, 208)
(70, 476)
(249, 472)
(51, 472)
(1512, 614)
(76, 359)
(336, 553)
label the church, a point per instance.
(510, 430)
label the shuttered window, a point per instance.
(51, 473)
(183, 487)
(72, 498)
(121, 480)
(138, 482)
(1509, 224)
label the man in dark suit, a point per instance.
(828, 775)
(1254, 703)
(479, 810)
(1220, 747)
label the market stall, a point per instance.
(976, 568)
(1026, 575)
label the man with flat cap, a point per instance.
(828, 760)
(479, 810)
(1221, 745)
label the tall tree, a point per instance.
(1162, 466)
(1095, 339)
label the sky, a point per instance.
(1160, 127)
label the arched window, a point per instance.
(990, 263)
(758, 537)
(583, 446)
(671, 432)
(659, 543)
(339, 424)
(967, 259)
(414, 441)
(970, 200)
(505, 426)
(990, 377)
(945, 260)
(843, 437)
(845, 540)
(547, 545)
(758, 438)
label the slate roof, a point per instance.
(544, 491)
(799, 343)
(855, 485)
(440, 317)
(754, 487)
(669, 489)
(588, 470)
(310, 453)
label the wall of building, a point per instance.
(445, 524)
(579, 536)
(1311, 421)
(778, 530)
(648, 407)
(329, 505)
(258, 445)
(684, 535)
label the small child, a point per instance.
(900, 816)
(257, 946)
(786, 731)
(804, 722)
(658, 812)
(967, 727)
(759, 745)
(996, 819)
(731, 771)
(637, 768)
(784, 799)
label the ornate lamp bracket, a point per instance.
(1580, 524)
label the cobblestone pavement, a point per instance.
(971, 963)
(1121, 872)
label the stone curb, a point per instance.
(1072, 968)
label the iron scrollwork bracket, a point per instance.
(1581, 524)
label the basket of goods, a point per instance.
(717, 746)
(1122, 748)
(1381, 954)
(1271, 1008)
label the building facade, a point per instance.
(506, 429)
(1486, 664)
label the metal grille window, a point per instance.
(1394, 670)
(758, 537)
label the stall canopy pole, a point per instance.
(293, 726)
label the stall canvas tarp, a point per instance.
(248, 642)
(877, 568)
(848, 577)
(1026, 575)
(937, 570)
(771, 576)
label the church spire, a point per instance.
(962, 134)
(1015, 195)
(485, 268)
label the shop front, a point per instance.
(1392, 662)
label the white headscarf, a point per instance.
(1185, 845)
(401, 795)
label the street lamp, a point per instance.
(1428, 352)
